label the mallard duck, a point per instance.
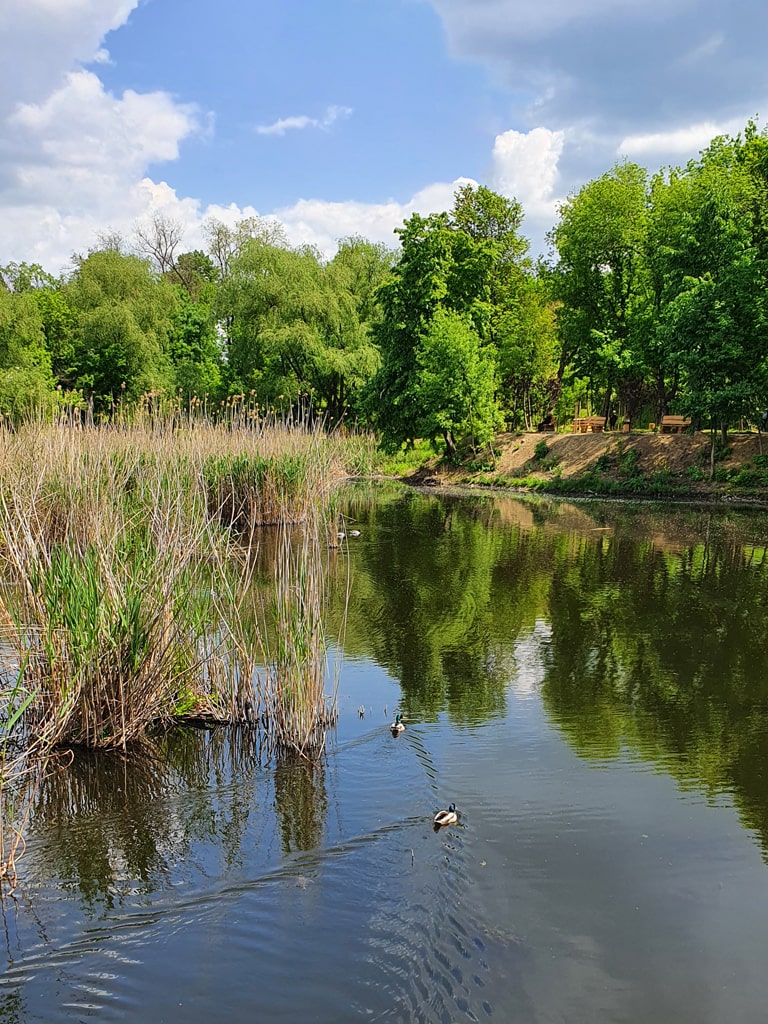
(398, 725)
(449, 817)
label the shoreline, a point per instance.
(667, 468)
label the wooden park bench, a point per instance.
(673, 424)
(583, 424)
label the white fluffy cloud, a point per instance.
(525, 167)
(78, 160)
(681, 141)
(75, 164)
(74, 158)
(649, 79)
(82, 128)
(43, 40)
(320, 223)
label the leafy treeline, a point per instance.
(663, 284)
(653, 301)
(251, 317)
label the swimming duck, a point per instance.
(398, 725)
(449, 817)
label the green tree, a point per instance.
(197, 274)
(294, 326)
(355, 275)
(59, 322)
(225, 243)
(410, 298)
(195, 350)
(528, 353)
(715, 321)
(456, 384)
(26, 380)
(470, 262)
(25, 277)
(598, 281)
(124, 325)
(488, 217)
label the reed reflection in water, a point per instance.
(301, 803)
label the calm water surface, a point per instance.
(589, 684)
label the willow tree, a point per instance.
(123, 326)
(26, 380)
(294, 327)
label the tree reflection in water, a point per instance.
(651, 630)
(652, 625)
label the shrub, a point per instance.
(629, 463)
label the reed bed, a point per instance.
(102, 548)
(297, 711)
(127, 556)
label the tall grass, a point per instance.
(248, 490)
(126, 583)
(297, 710)
(101, 553)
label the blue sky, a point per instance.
(346, 117)
(402, 107)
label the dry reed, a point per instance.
(126, 603)
(297, 711)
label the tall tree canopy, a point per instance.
(654, 299)
(467, 269)
(598, 281)
(297, 326)
(123, 328)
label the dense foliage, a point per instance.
(653, 301)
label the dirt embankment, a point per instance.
(676, 464)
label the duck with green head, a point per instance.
(449, 817)
(398, 725)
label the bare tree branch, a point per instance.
(159, 240)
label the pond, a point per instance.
(588, 684)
